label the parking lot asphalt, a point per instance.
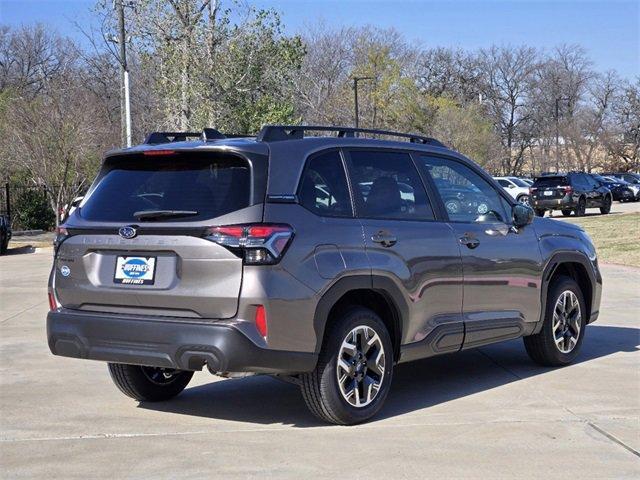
(484, 413)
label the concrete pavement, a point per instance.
(487, 413)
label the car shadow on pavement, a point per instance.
(21, 250)
(416, 385)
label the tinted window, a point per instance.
(467, 197)
(323, 188)
(519, 182)
(211, 185)
(579, 180)
(387, 186)
(550, 181)
(504, 183)
(592, 181)
(631, 178)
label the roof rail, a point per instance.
(167, 137)
(206, 135)
(275, 133)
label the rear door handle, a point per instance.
(384, 238)
(469, 241)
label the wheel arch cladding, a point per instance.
(573, 265)
(388, 304)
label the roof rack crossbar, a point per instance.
(274, 133)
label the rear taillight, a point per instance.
(261, 320)
(532, 189)
(567, 189)
(53, 305)
(260, 243)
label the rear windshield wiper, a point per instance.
(151, 214)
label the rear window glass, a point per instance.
(518, 182)
(551, 182)
(182, 187)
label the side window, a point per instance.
(593, 183)
(583, 181)
(387, 186)
(467, 197)
(323, 188)
(504, 183)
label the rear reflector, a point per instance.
(53, 305)
(261, 320)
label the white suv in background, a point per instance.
(517, 188)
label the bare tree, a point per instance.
(622, 138)
(508, 78)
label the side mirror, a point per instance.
(522, 215)
(511, 185)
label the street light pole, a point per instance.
(355, 96)
(125, 104)
(557, 136)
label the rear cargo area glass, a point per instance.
(551, 182)
(210, 184)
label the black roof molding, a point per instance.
(276, 133)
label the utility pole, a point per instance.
(355, 96)
(125, 104)
(557, 117)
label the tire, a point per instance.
(540, 212)
(148, 384)
(523, 199)
(542, 347)
(606, 206)
(566, 212)
(4, 244)
(321, 388)
(581, 208)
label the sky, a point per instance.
(608, 29)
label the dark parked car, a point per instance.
(621, 191)
(633, 179)
(571, 192)
(5, 233)
(630, 177)
(322, 260)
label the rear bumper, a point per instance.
(553, 204)
(624, 195)
(160, 343)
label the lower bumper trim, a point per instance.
(162, 343)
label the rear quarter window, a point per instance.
(209, 184)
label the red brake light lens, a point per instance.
(261, 320)
(261, 244)
(155, 153)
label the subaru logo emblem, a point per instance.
(127, 232)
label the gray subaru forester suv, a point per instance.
(312, 254)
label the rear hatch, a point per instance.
(550, 188)
(136, 244)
